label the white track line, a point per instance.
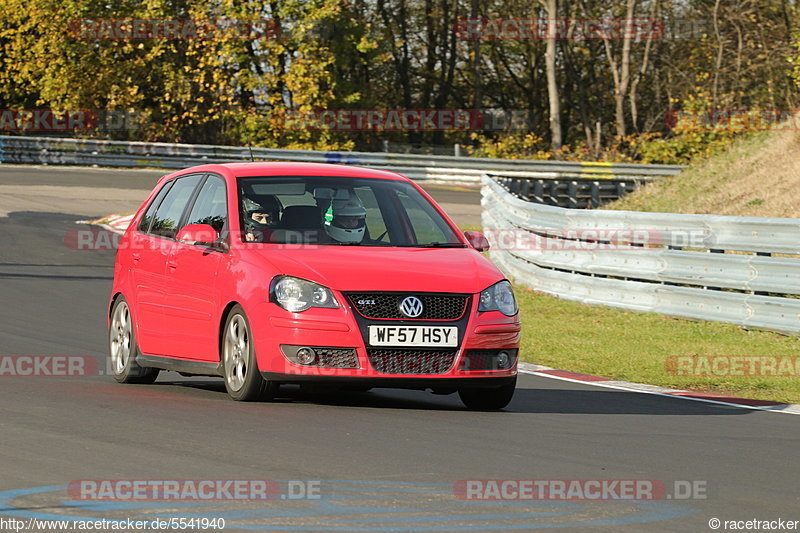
(536, 370)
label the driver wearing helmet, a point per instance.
(345, 220)
(260, 218)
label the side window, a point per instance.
(168, 214)
(425, 226)
(375, 223)
(210, 207)
(144, 224)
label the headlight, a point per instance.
(297, 295)
(499, 297)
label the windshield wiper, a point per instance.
(443, 245)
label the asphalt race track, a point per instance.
(371, 461)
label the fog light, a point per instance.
(503, 359)
(306, 356)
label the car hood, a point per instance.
(353, 268)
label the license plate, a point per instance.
(422, 336)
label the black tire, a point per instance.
(490, 399)
(123, 348)
(243, 380)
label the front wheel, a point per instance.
(123, 347)
(243, 380)
(488, 399)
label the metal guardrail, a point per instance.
(576, 193)
(63, 151)
(656, 262)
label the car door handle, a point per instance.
(172, 265)
(136, 257)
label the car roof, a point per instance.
(283, 168)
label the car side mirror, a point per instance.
(477, 240)
(198, 234)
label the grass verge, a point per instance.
(631, 346)
(757, 176)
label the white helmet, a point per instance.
(345, 220)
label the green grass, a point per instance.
(757, 176)
(631, 346)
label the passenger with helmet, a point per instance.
(260, 218)
(345, 220)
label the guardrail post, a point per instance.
(572, 194)
(538, 189)
(554, 192)
(525, 189)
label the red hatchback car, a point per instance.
(271, 273)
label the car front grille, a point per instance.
(386, 305)
(406, 361)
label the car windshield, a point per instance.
(340, 211)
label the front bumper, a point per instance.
(273, 327)
(408, 382)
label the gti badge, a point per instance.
(411, 307)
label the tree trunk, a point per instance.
(477, 82)
(641, 73)
(552, 83)
(621, 71)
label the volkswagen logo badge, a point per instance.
(411, 307)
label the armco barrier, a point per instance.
(575, 193)
(63, 151)
(671, 264)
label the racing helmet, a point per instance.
(261, 215)
(345, 219)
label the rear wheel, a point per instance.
(123, 348)
(243, 381)
(488, 399)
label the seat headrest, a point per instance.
(301, 217)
